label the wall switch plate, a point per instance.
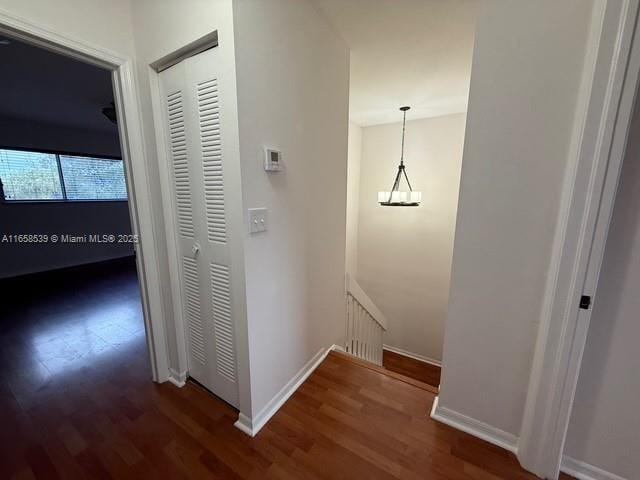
(257, 220)
(272, 160)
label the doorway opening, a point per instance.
(398, 257)
(72, 313)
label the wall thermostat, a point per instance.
(272, 160)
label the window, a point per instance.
(93, 178)
(48, 176)
(30, 176)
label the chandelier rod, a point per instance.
(404, 121)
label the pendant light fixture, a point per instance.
(397, 197)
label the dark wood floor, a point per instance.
(77, 402)
(416, 369)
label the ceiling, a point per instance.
(46, 87)
(405, 52)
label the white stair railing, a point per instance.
(366, 324)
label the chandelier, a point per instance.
(397, 197)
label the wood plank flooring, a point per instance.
(84, 407)
(409, 367)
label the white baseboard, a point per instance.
(474, 427)
(177, 378)
(415, 356)
(244, 425)
(584, 471)
(251, 426)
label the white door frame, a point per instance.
(603, 115)
(138, 187)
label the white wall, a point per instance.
(353, 197)
(605, 420)
(404, 254)
(293, 75)
(104, 24)
(527, 66)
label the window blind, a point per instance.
(28, 175)
(88, 178)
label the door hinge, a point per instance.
(585, 302)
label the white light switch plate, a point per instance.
(257, 220)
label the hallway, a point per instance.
(78, 403)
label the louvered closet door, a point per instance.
(194, 111)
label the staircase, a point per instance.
(366, 324)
